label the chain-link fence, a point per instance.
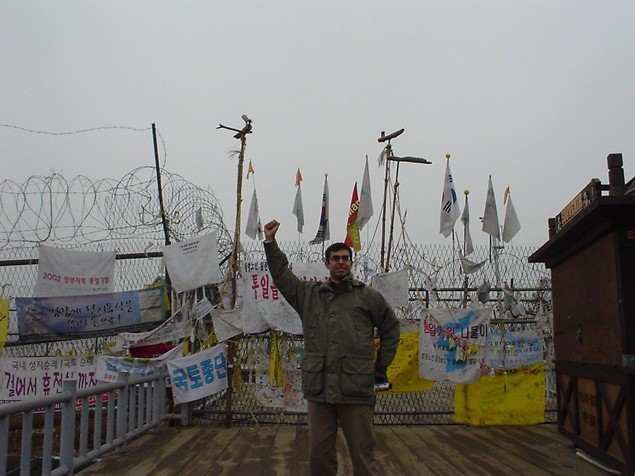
(123, 217)
(436, 280)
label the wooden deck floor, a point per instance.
(410, 451)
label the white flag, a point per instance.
(490, 215)
(254, 227)
(298, 209)
(323, 232)
(365, 211)
(467, 236)
(511, 226)
(449, 204)
(470, 266)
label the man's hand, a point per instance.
(270, 230)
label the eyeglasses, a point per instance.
(337, 258)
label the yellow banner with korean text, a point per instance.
(510, 397)
(403, 373)
(4, 321)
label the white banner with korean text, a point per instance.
(174, 328)
(198, 375)
(63, 272)
(262, 300)
(22, 378)
(193, 263)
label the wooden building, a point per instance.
(591, 254)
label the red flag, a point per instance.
(352, 230)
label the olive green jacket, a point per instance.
(339, 325)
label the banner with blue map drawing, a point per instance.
(452, 344)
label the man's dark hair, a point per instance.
(338, 247)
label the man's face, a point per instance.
(339, 265)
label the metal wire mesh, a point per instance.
(124, 216)
(530, 284)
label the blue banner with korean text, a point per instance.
(96, 313)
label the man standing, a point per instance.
(339, 320)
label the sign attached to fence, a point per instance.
(107, 368)
(73, 315)
(63, 272)
(452, 344)
(262, 299)
(4, 321)
(193, 263)
(174, 328)
(198, 375)
(514, 349)
(22, 378)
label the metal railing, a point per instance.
(121, 411)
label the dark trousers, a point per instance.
(357, 424)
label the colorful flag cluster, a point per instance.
(490, 225)
(360, 211)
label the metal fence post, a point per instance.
(122, 412)
(157, 396)
(186, 414)
(67, 432)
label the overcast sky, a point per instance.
(534, 93)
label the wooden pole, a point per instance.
(234, 264)
(383, 208)
(392, 217)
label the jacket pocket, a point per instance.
(312, 374)
(357, 376)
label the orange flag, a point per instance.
(250, 170)
(352, 230)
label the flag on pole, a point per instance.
(323, 232)
(250, 170)
(449, 203)
(468, 246)
(254, 226)
(352, 228)
(365, 211)
(511, 225)
(298, 209)
(490, 215)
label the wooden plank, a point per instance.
(401, 451)
(283, 453)
(228, 463)
(398, 451)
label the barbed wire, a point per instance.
(80, 211)
(81, 131)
